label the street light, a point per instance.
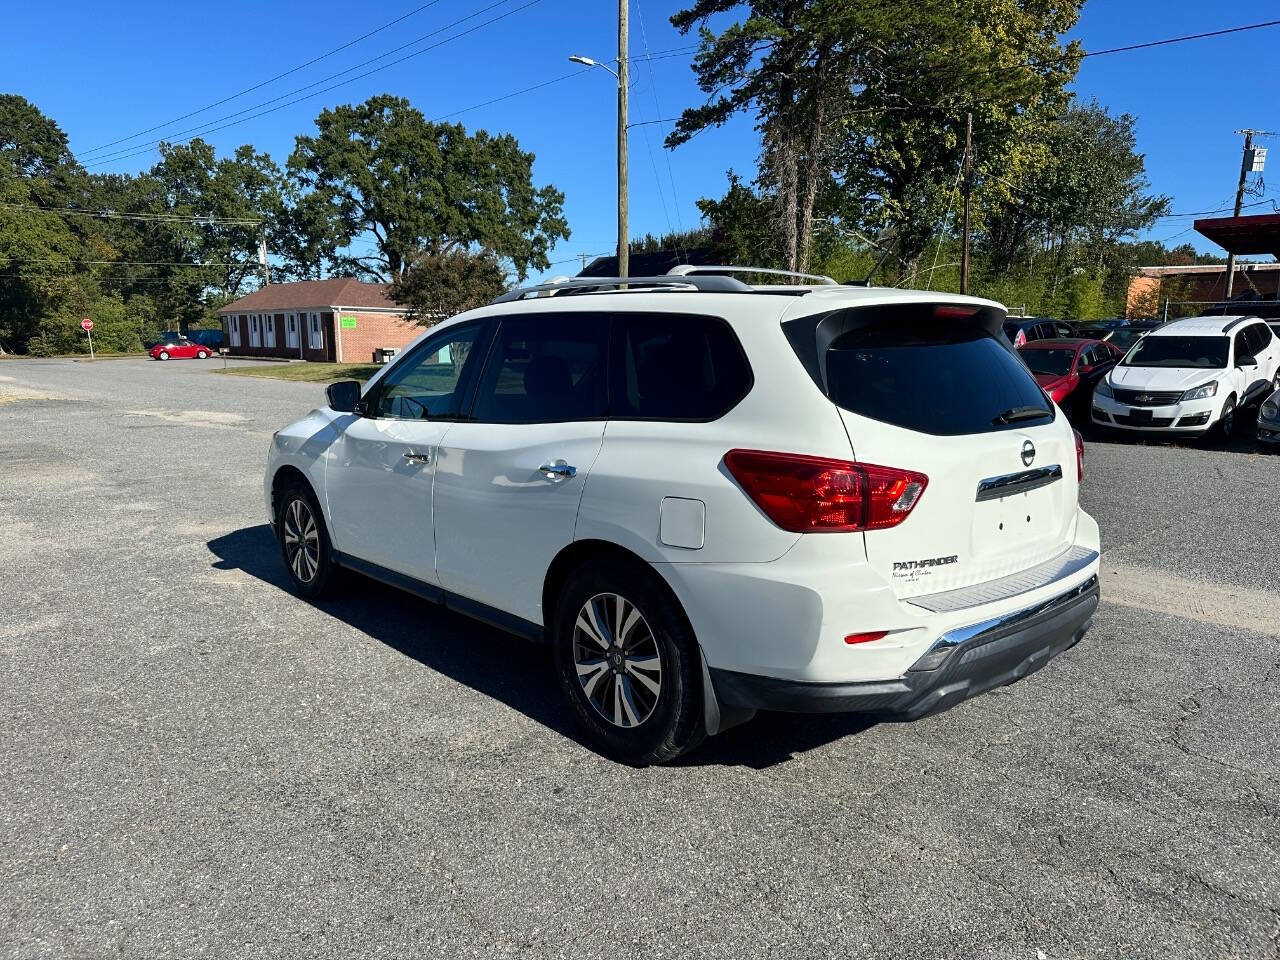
(624, 241)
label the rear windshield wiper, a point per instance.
(1014, 414)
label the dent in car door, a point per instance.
(380, 471)
(509, 480)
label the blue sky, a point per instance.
(106, 71)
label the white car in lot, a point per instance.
(711, 498)
(1189, 377)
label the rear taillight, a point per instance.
(1021, 339)
(816, 495)
(1079, 455)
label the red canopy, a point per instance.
(1244, 236)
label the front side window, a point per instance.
(676, 367)
(1243, 347)
(429, 383)
(545, 369)
(1204, 353)
(1259, 338)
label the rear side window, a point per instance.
(545, 369)
(934, 375)
(676, 367)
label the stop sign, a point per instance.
(86, 323)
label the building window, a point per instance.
(233, 329)
(317, 332)
(255, 330)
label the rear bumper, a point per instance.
(960, 664)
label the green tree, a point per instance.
(39, 251)
(438, 285)
(384, 170)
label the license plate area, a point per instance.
(1140, 413)
(1014, 524)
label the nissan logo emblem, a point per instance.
(1028, 453)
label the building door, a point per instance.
(269, 330)
(255, 330)
(291, 331)
(316, 341)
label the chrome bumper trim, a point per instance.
(938, 651)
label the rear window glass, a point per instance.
(1055, 361)
(676, 367)
(933, 375)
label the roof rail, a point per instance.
(576, 285)
(690, 270)
(1235, 323)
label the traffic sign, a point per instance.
(86, 324)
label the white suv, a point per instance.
(1190, 376)
(712, 498)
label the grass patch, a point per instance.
(307, 372)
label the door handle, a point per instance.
(558, 470)
(418, 457)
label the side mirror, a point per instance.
(1246, 361)
(343, 396)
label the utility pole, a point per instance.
(262, 260)
(1245, 164)
(968, 188)
(624, 239)
(1250, 162)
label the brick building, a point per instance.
(340, 320)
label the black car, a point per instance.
(1022, 330)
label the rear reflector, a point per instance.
(816, 495)
(1079, 455)
(865, 637)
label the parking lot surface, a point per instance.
(198, 763)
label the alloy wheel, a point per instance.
(301, 540)
(617, 661)
(1229, 420)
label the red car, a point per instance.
(1068, 370)
(179, 348)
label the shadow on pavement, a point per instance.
(507, 668)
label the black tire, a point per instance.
(674, 723)
(312, 574)
(1226, 425)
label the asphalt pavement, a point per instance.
(195, 762)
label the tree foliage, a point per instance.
(438, 285)
(383, 169)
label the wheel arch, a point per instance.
(287, 475)
(716, 717)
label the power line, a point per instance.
(256, 86)
(62, 261)
(1182, 39)
(146, 217)
(209, 127)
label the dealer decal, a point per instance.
(912, 570)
